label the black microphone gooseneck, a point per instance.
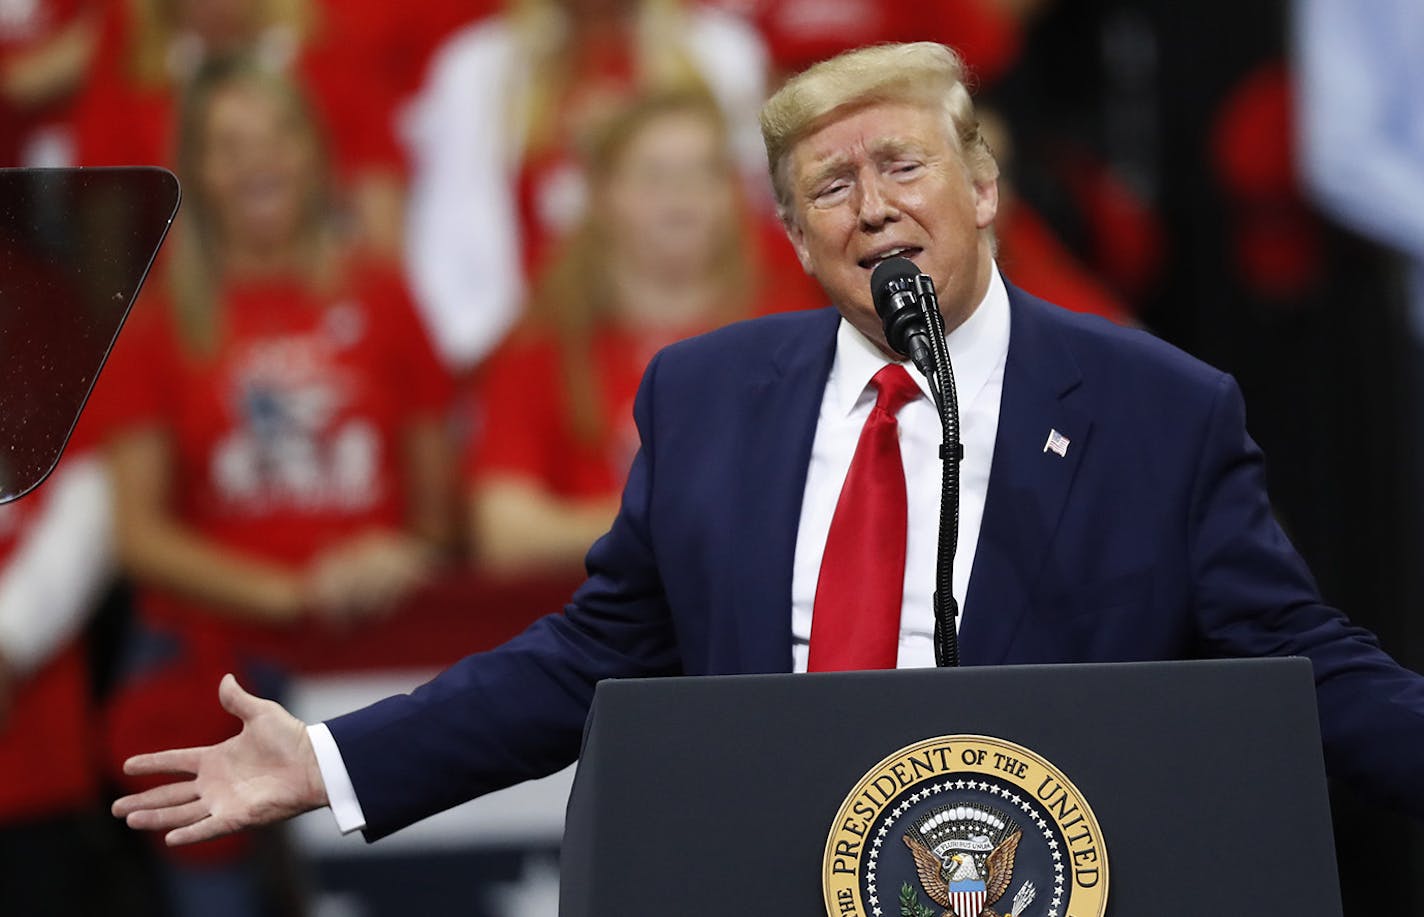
(905, 300)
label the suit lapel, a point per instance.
(1028, 482)
(782, 405)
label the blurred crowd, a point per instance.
(426, 250)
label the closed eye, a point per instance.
(832, 192)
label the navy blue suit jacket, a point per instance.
(1151, 539)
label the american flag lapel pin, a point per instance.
(1057, 444)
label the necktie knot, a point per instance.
(894, 388)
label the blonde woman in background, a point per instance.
(661, 253)
(495, 134)
(275, 434)
(151, 49)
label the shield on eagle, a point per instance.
(967, 898)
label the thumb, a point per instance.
(236, 701)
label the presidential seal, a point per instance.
(965, 826)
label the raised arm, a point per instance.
(465, 276)
(60, 568)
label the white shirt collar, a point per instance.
(976, 348)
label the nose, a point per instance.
(877, 207)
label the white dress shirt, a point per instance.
(978, 349)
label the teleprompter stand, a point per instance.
(715, 796)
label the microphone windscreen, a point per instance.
(881, 277)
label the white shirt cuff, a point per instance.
(340, 794)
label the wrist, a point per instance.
(316, 796)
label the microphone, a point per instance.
(905, 301)
(894, 289)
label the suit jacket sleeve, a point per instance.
(1255, 597)
(517, 712)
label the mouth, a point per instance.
(870, 261)
(261, 190)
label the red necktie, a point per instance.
(855, 623)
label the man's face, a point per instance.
(887, 180)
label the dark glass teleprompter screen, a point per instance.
(75, 246)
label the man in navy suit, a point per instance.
(1113, 507)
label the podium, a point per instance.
(717, 795)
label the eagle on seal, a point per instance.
(961, 870)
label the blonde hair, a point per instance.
(194, 274)
(917, 73)
(574, 296)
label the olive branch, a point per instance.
(910, 905)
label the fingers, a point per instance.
(168, 818)
(236, 701)
(172, 794)
(173, 761)
(202, 830)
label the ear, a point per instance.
(986, 202)
(798, 240)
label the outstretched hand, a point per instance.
(266, 773)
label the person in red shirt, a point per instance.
(1277, 243)
(987, 33)
(393, 42)
(497, 132)
(46, 49)
(275, 430)
(659, 255)
(55, 565)
(150, 49)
